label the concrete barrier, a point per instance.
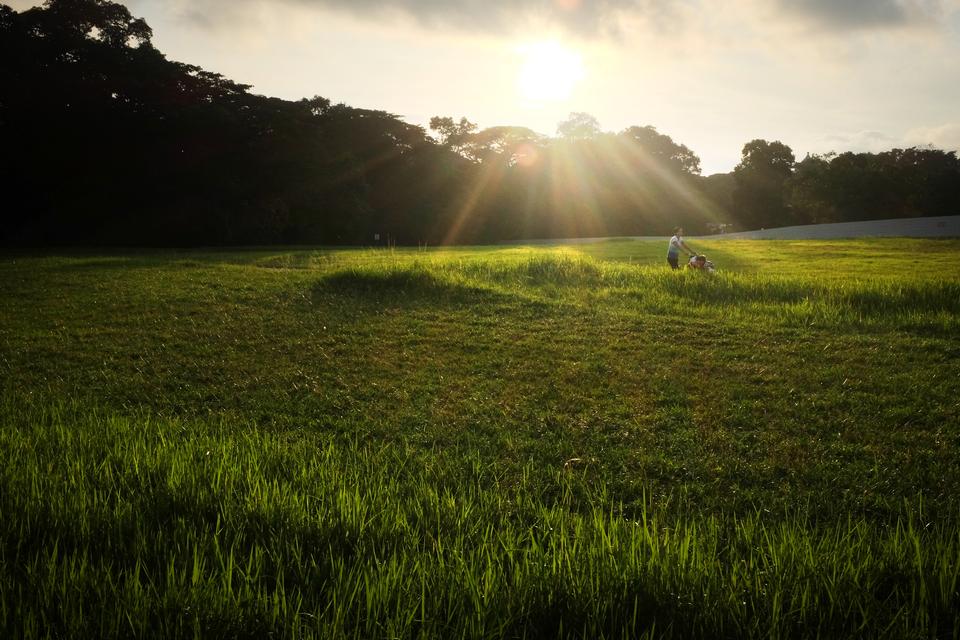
(932, 227)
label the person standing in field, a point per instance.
(676, 245)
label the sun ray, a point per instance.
(488, 176)
(684, 189)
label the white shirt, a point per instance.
(675, 243)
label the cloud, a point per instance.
(946, 136)
(844, 15)
(579, 17)
(587, 18)
(859, 141)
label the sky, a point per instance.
(818, 75)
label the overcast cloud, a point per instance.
(585, 18)
(866, 14)
(591, 18)
(945, 136)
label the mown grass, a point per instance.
(514, 442)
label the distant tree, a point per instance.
(579, 126)
(811, 191)
(927, 180)
(317, 105)
(718, 190)
(505, 144)
(864, 186)
(71, 22)
(663, 149)
(759, 197)
(7, 16)
(105, 140)
(455, 135)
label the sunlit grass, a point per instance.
(218, 529)
(487, 442)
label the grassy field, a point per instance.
(486, 442)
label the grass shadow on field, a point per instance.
(526, 279)
(404, 285)
(99, 263)
(113, 259)
(294, 260)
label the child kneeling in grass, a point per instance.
(701, 263)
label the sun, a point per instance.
(549, 73)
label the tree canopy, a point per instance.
(106, 141)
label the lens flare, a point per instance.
(525, 155)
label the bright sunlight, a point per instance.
(549, 73)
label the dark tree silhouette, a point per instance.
(110, 142)
(455, 135)
(759, 197)
(661, 147)
(809, 191)
(863, 186)
(106, 141)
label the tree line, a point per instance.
(106, 141)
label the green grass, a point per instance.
(486, 442)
